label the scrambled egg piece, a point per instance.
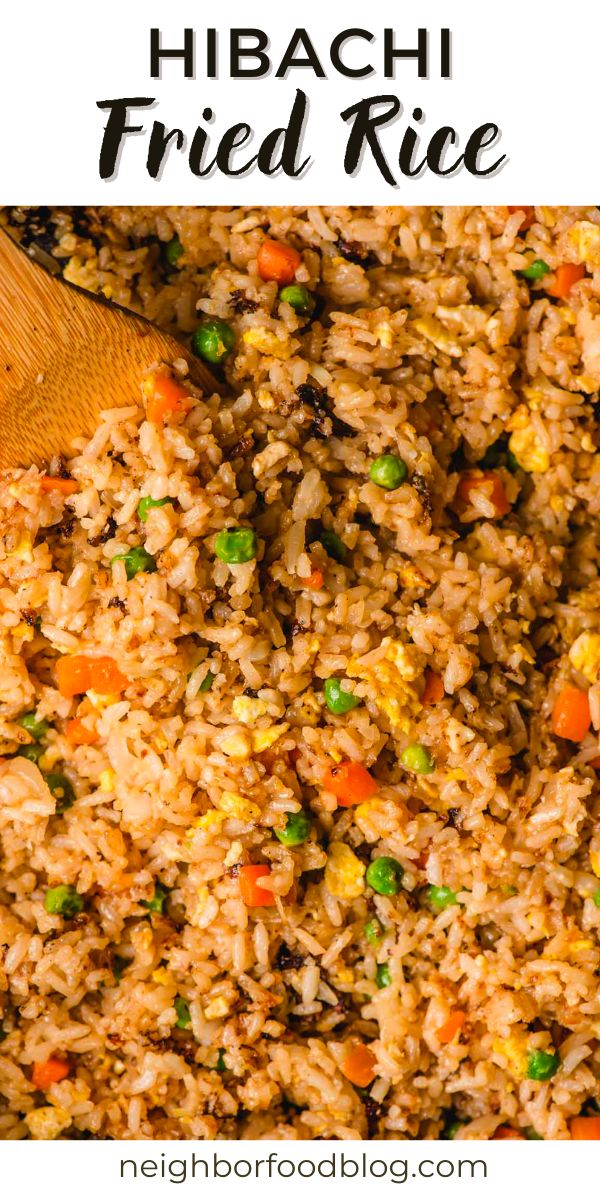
(412, 577)
(210, 820)
(434, 331)
(236, 745)
(595, 863)
(23, 549)
(162, 975)
(344, 873)
(263, 739)
(266, 400)
(234, 805)
(392, 676)
(247, 710)
(514, 1049)
(23, 631)
(585, 237)
(529, 451)
(47, 1123)
(525, 443)
(268, 343)
(107, 780)
(219, 1007)
(585, 655)
(202, 901)
(466, 321)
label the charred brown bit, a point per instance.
(288, 960)
(108, 532)
(241, 447)
(242, 304)
(355, 253)
(421, 488)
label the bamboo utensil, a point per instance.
(65, 354)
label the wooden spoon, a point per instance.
(66, 354)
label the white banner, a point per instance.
(477, 103)
(248, 1170)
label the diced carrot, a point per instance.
(585, 1129)
(73, 674)
(50, 483)
(493, 486)
(166, 396)
(504, 1132)
(276, 260)
(451, 1027)
(528, 211)
(106, 676)
(571, 716)
(433, 691)
(314, 581)
(46, 1073)
(77, 673)
(359, 1066)
(250, 890)
(80, 734)
(350, 783)
(565, 277)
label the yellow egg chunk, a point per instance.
(344, 873)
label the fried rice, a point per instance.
(176, 997)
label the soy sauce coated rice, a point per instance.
(181, 1012)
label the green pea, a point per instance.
(536, 270)
(416, 758)
(596, 898)
(207, 682)
(33, 752)
(62, 790)
(146, 503)
(532, 1136)
(157, 903)
(63, 900)
(296, 830)
(334, 546)
(37, 729)
(298, 297)
(213, 340)
(451, 1128)
(182, 1009)
(441, 897)
(374, 931)
(173, 251)
(221, 1064)
(542, 1066)
(512, 462)
(137, 559)
(236, 545)
(388, 471)
(337, 699)
(385, 875)
(3, 1034)
(383, 976)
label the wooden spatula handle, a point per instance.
(64, 356)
